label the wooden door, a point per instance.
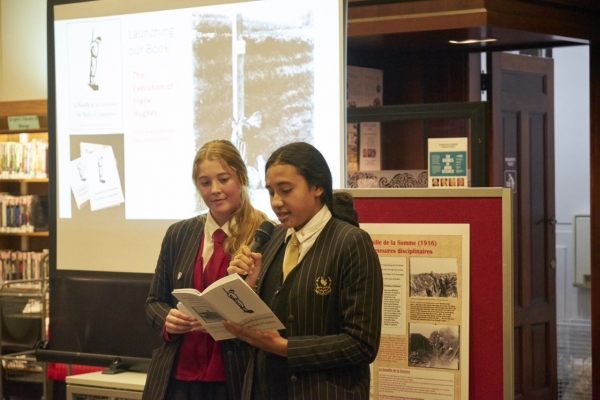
(523, 158)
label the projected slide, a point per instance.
(138, 91)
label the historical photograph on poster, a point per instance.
(433, 277)
(434, 346)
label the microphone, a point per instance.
(262, 236)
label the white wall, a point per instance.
(23, 53)
(572, 163)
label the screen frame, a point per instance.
(104, 282)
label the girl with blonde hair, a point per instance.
(194, 253)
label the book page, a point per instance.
(196, 306)
(229, 298)
(237, 302)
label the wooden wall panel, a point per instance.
(29, 107)
(417, 78)
(518, 362)
(415, 8)
(560, 18)
(539, 345)
(537, 17)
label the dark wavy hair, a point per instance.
(310, 164)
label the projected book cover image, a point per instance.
(228, 298)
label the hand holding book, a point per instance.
(229, 298)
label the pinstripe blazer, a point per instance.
(334, 314)
(175, 269)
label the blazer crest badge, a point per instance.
(323, 286)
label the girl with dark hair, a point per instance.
(321, 276)
(195, 253)
(311, 165)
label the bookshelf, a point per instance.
(24, 240)
(23, 172)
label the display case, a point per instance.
(404, 131)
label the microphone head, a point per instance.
(264, 231)
(262, 236)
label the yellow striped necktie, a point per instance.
(291, 258)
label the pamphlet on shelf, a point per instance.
(229, 298)
(364, 87)
(370, 146)
(448, 162)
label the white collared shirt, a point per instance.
(209, 246)
(310, 232)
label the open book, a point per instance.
(228, 298)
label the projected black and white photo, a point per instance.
(258, 73)
(434, 346)
(257, 90)
(433, 277)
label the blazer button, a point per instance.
(290, 318)
(229, 353)
(293, 379)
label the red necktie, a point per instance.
(218, 262)
(199, 355)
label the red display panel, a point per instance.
(484, 215)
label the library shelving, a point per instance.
(24, 242)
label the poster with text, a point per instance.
(424, 350)
(370, 146)
(448, 164)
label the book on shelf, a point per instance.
(17, 265)
(23, 214)
(229, 298)
(24, 160)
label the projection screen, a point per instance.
(141, 85)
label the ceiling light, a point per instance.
(471, 41)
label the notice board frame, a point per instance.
(488, 211)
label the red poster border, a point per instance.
(488, 212)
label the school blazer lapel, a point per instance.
(322, 243)
(189, 245)
(270, 252)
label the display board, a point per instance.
(488, 212)
(424, 348)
